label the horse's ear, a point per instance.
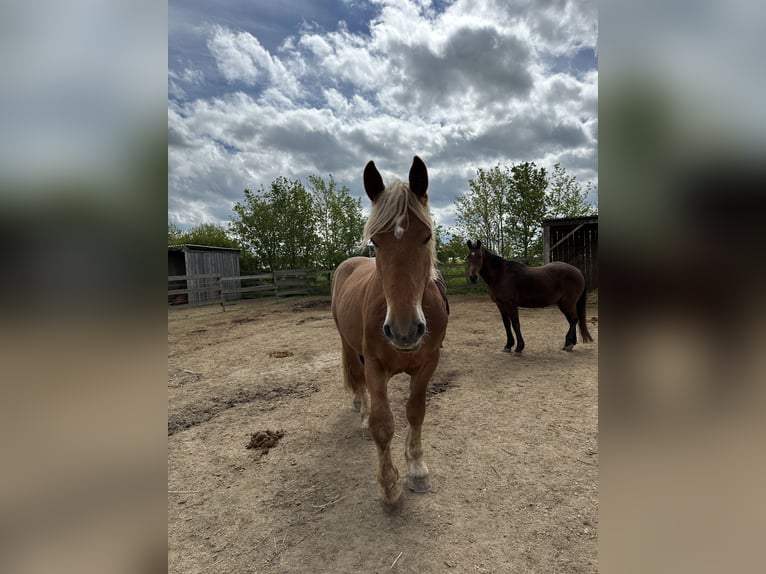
(469, 244)
(478, 244)
(373, 182)
(418, 177)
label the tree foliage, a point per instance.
(526, 210)
(452, 250)
(481, 212)
(277, 225)
(566, 197)
(202, 234)
(505, 207)
(339, 221)
(290, 227)
(175, 234)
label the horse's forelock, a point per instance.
(391, 211)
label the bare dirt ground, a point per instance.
(268, 470)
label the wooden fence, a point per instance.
(211, 289)
(191, 290)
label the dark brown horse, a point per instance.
(392, 316)
(513, 285)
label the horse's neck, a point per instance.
(492, 268)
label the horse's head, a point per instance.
(400, 228)
(475, 259)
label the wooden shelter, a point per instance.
(573, 240)
(208, 264)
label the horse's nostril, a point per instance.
(421, 329)
(387, 331)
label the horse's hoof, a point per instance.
(567, 348)
(517, 353)
(391, 501)
(357, 404)
(419, 483)
(506, 349)
(392, 508)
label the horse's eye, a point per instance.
(427, 240)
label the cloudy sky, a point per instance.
(261, 89)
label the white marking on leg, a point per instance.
(365, 410)
(414, 455)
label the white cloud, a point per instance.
(241, 58)
(186, 77)
(464, 88)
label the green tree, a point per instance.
(339, 221)
(481, 213)
(438, 239)
(526, 210)
(210, 234)
(566, 197)
(505, 208)
(452, 250)
(202, 234)
(175, 234)
(278, 225)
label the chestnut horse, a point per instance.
(513, 285)
(392, 318)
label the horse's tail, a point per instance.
(584, 333)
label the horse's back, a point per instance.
(541, 286)
(345, 270)
(568, 274)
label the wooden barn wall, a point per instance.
(222, 263)
(579, 249)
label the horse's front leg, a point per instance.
(382, 431)
(417, 471)
(508, 337)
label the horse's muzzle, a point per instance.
(408, 340)
(472, 278)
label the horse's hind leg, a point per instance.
(353, 375)
(417, 471)
(517, 329)
(571, 337)
(514, 320)
(508, 336)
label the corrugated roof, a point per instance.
(568, 220)
(192, 247)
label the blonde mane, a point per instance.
(392, 209)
